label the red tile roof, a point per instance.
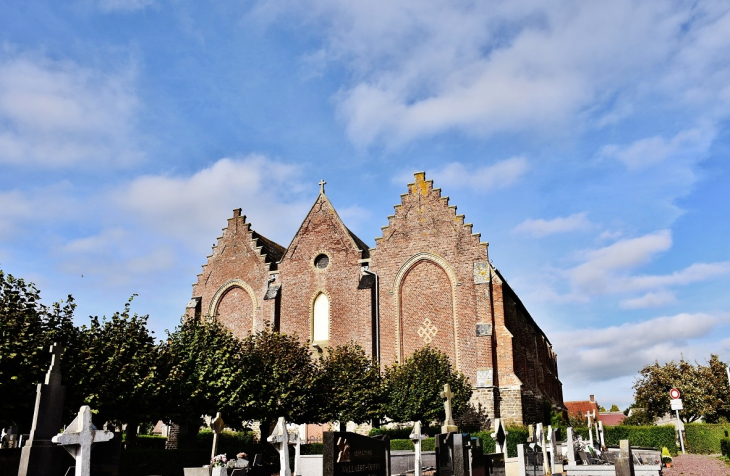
(611, 418)
(584, 407)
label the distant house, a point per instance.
(582, 408)
(611, 418)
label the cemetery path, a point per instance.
(696, 465)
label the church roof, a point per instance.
(271, 250)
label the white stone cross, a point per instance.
(78, 439)
(500, 437)
(416, 437)
(217, 426)
(590, 429)
(295, 440)
(551, 447)
(280, 439)
(449, 424)
(600, 438)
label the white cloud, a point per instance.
(688, 145)
(541, 227)
(191, 208)
(21, 209)
(420, 68)
(656, 299)
(615, 351)
(58, 113)
(499, 175)
(124, 5)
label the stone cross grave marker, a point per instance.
(571, 446)
(295, 440)
(280, 439)
(416, 437)
(217, 426)
(449, 424)
(500, 437)
(78, 439)
(39, 456)
(625, 460)
(601, 438)
(551, 447)
(590, 429)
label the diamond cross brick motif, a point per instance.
(427, 331)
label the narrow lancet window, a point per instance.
(321, 324)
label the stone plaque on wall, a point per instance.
(484, 330)
(485, 378)
(481, 273)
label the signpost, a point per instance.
(676, 405)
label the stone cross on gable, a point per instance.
(322, 183)
(449, 424)
(280, 439)
(78, 439)
(217, 426)
(54, 372)
(416, 437)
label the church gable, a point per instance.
(234, 281)
(322, 299)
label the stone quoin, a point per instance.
(427, 281)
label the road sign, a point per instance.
(677, 404)
(674, 393)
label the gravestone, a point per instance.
(349, 454)
(39, 456)
(297, 442)
(452, 454)
(500, 437)
(449, 424)
(571, 446)
(280, 439)
(216, 426)
(417, 437)
(625, 460)
(78, 439)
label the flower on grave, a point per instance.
(241, 455)
(219, 461)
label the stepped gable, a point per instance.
(234, 281)
(426, 260)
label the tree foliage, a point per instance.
(413, 388)
(27, 330)
(350, 385)
(113, 369)
(704, 389)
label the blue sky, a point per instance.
(586, 141)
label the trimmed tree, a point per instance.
(350, 385)
(413, 388)
(27, 330)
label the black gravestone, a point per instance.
(349, 454)
(40, 456)
(452, 454)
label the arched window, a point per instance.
(321, 319)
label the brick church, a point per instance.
(427, 281)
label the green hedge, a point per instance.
(646, 436)
(704, 438)
(515, 436)
(429, 444)
(725, 447)
(151, 442)
(403, 433)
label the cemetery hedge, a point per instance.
(403, 433)
(645, 436)
(429, 444)
(516, 435)
(704, 438)
(725, 447)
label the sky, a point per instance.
(586, 142)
